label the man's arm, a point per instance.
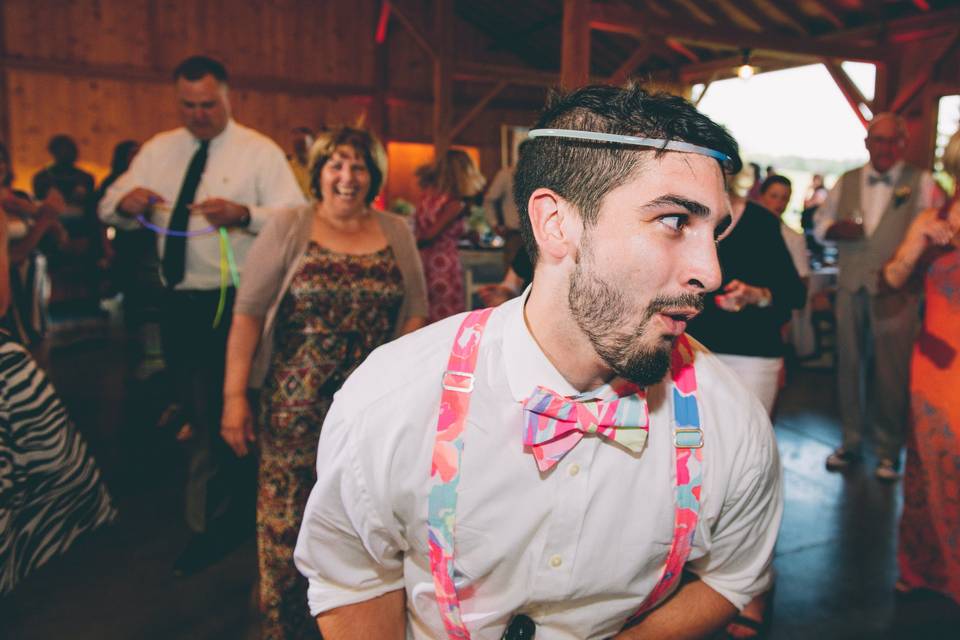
(826, 215)
(694, 611)
(382, 618)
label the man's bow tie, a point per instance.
(554, 424)
(873, 179)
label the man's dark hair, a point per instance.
(583, 172)
(196, 67)
(775, 179)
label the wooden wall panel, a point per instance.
(99, 70)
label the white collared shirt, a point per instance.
(578, 548)
(243, 166)
(874, 199)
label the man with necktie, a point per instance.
(206, 188)
(553, 467)
(867, 214)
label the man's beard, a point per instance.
(602, 313)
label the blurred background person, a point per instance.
(31, 228)
(928, 555)
(741, 323)
(449, 187)
(76, 269)
(50, 487)
(501, 210)
(301, 139)
(325, 285)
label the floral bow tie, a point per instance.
(554, 424)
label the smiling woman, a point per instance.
(325, 285)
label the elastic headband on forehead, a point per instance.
(656, 143)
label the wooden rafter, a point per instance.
(413, 29)
(777, 13)
(697, 11)
(740, 17)
(817, 8)
(623, 19)
(850, 91)
(477, 109)
(442, 76)
(630, 65)
(923, 75)
(706, 85)
(575, 44)
(483, 72)
(678, 46)
(659, 9)
(383, 21)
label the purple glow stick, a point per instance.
(178, 234)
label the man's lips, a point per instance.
(676, 320)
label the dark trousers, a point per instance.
(221, 488)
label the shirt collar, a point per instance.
(893, 172)
(220, 137)
(525, 363)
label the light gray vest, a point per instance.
(860, 261)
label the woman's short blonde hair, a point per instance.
(364, 142)
(457, 174)
(951, 157)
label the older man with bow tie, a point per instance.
(555, 465)
(867, 214)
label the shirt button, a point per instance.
(556, 561)
(574, 469)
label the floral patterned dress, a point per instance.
(441, 259)
(338, 309)
(929, 553)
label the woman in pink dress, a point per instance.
(448, 186)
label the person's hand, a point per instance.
(845, 230)
(15, 205)
(236, 426)
(928, 229)
(492, 295)
(138, 201)
(221, 213)
(737, 295)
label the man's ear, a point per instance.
(550, 219)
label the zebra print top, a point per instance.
(50, 487)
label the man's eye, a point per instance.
(675, 222)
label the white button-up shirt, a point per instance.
(243, 166)
(578, 548)
(874, 199)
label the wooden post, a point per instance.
(442, 75)
(4, 95)
(575, 44)
(379, 115)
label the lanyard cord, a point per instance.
(228, 263)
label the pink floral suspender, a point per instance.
(448, 448)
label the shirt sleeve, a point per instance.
(826, 213)
(136, 176)
(344, 550)
(738, 563)
(930, 194)
(277, 188)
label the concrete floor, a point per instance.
(835, 557)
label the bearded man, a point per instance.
(570, 463)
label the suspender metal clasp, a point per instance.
(688, 438)
(458, 381)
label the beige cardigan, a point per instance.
(276, 255)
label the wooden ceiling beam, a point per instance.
(625, 20)
(575, 44)
(850, 91)
(678, 46)
(477, 109)
(698, 12)
(483, 72)
(414, 30)
(924, 73)
(781, 14)
(741, 18)
(625, 70)
(817, 8)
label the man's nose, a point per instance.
(703, 268)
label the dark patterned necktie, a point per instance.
(175, 245)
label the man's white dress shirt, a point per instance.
(500, 194)
(578, 548)
(874, 199)
(243, 166)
